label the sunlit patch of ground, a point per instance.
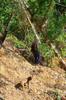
(19, 80)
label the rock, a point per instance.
(19, 86)
(1, 98)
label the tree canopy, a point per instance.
(48, 17)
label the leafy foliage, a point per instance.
(40, 10)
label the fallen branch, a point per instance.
(59, 56)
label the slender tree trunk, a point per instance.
(4, 34)
(23, 6)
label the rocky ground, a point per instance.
(20, 80)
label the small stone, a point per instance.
(19, 86)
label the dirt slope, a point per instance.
(19, 80)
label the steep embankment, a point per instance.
(19, 80)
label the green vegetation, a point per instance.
(40, 11)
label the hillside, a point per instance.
(19, 80)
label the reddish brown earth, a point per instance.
(19, 80)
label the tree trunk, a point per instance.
(23, 6)
(3, 35)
